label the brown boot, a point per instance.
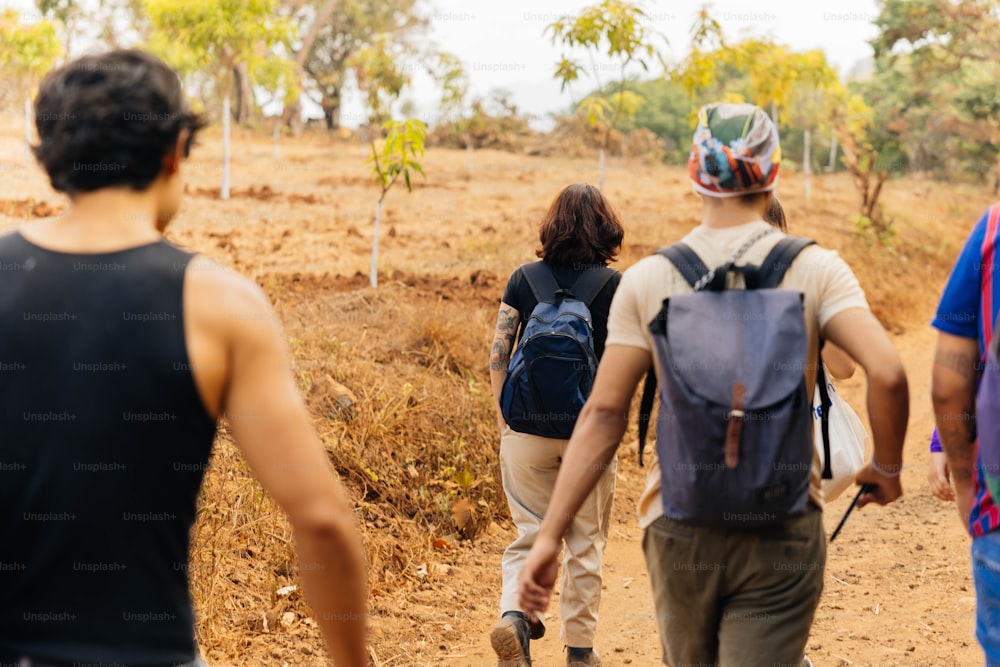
(510, 639)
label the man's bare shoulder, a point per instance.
(223, 297)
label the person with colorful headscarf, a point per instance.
(727, 596)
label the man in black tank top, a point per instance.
(117, 355)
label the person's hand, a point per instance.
(537, 577)
(939, 477)
(501, 422)
(884, 489)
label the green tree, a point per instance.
(664, 111)
(380, 76)
(618, 30)
(767, 74)
(934, 87)
(278, 78)
(800, 88)
(397, 156)
(352, 27)
(66, 13)
(853, 119)
(112, 16)
(454, 106)
(310, 19)
(27, 51)
(227, 39)
(111, 23)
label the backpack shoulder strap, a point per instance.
(773, 268)
(769, 275)
(825, 403)
(541, 280)
(590, 283)
(646, 409)
(693, 269)
(686, 261)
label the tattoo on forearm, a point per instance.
(963, 364)
(958, 438)
(507, 321)
(499, 355)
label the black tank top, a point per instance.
(103, 443)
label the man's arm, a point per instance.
(595, 439)
(508, 319)
(861, 336)
(953, 392)
(274, 430)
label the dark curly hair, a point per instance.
(109, 119)
(580, 229)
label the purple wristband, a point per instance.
(936, 442)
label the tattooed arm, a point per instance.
(508, 320)
(953, 390)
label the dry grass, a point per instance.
(417, 440)
(420, 435)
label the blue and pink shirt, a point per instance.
(968, 309)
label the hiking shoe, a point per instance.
(537, 628)
(510, 638)
(582, 658)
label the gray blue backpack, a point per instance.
(734, 432)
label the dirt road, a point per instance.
(897, 590)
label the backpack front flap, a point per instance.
(737, 332)
(734, 435)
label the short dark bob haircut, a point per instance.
(580, 229)
(108, 120)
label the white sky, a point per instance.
(502, 45)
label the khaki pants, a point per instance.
(529, 465)
(731, 598)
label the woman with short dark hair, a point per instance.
(580, 234)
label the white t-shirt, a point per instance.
(821, 275)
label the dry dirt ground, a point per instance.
(897, 588)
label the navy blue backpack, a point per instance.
(552, 370)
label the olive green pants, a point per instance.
(736, 598)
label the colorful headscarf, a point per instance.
(735, 151)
